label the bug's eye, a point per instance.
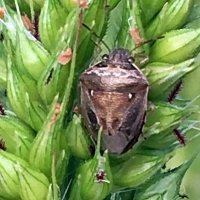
(105, 57)
(131, 59)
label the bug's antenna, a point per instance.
(95, 34)
(98, 47)
(146, 41)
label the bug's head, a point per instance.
(120, 56)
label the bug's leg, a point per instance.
(144, 57)
(145, 60)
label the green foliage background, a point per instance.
(43, 97)
(190, 184)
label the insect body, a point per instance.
(114, 96)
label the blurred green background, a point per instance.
(191, 181)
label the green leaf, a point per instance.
(165, 185)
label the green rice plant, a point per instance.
(45, 151)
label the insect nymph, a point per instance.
(114, 96)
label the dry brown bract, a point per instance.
(27, 23)
(2, 12)
(136, 36)
(65, 56)
(82, 3)
(55, 114)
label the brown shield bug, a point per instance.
(114, 96)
